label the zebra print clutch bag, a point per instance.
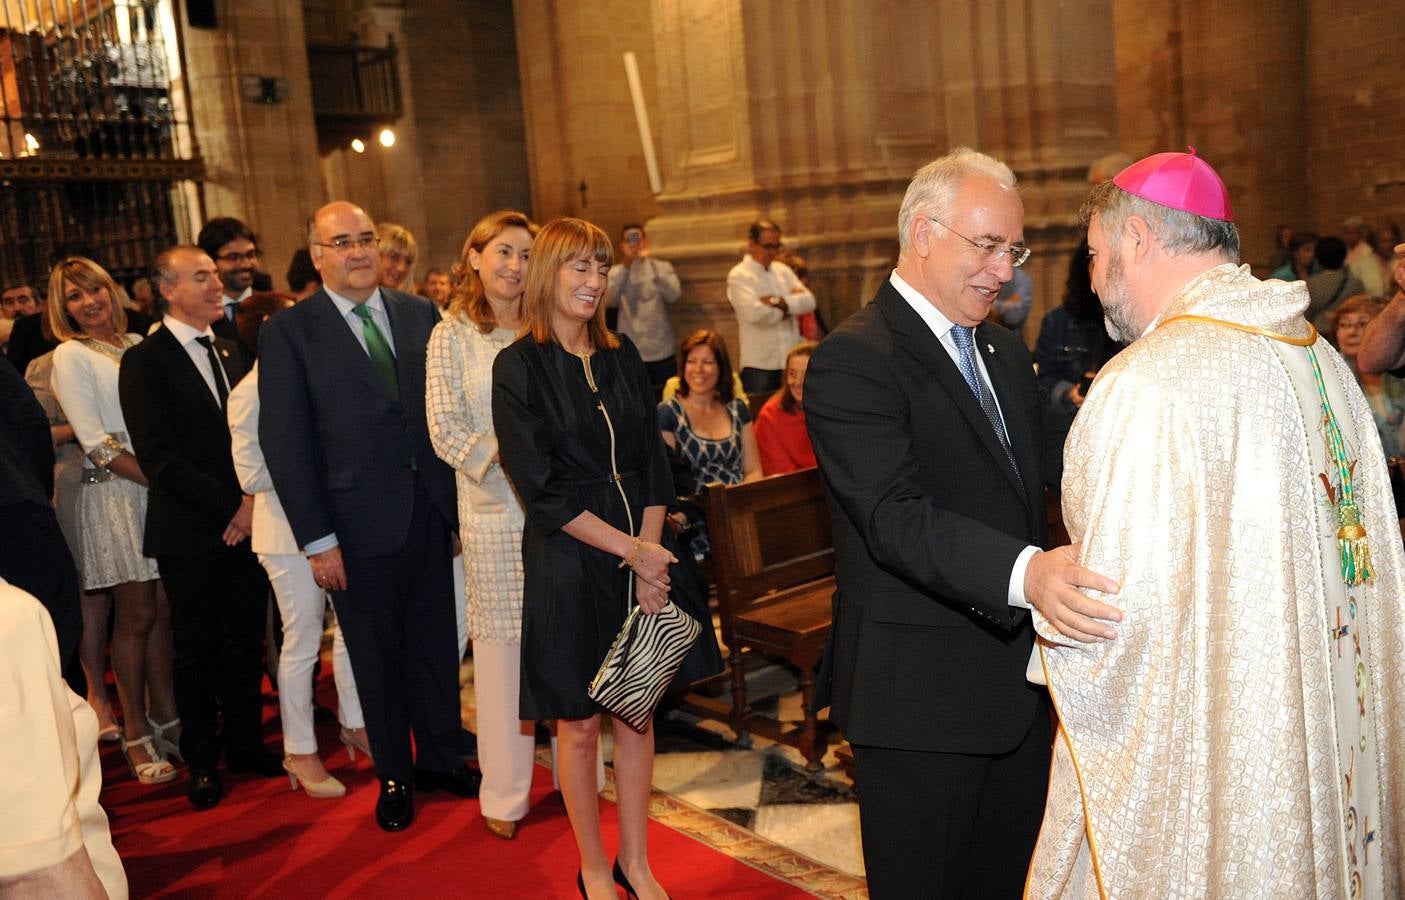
(646, 654)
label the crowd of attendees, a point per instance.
(559, 435)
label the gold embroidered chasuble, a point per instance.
(1244, 735)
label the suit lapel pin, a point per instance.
(224, 353)
(990, 348)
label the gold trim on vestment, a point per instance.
(1077, 770)
(1261, 332)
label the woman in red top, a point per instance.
(781, 437)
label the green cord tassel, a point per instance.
(1355, 552)
(1351, 540)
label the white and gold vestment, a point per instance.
(1244, 735)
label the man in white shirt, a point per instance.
(642, 288)
(767, 297)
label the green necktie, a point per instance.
(381, 357)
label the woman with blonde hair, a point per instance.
(398, 252)
(574, 415)
(85, 314)
(484, 313)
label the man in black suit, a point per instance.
(33, 553)
(235, 249)
(173, 387)
(936, 496)
(343, 429)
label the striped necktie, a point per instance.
(964, 336)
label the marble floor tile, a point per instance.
(711, 779)
(827, 832)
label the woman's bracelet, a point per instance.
(633, 556)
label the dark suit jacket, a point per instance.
(337, 442)
(27, 341)
(26, 448)
(181, 439)
(230, 332)
(925, 652)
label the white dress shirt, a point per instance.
(231, 304)
(376, 304)
(941, 328)
(766, 333)
(186, 335)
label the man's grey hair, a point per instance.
(1176, 230)
(933, 189)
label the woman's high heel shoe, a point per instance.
(154, 769)
(168, 747)
(500, 828)
(299, 771)
(580, 883)
(623, 881)
(355, 739)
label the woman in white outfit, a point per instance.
(301, 603)
(85, 314)
(482, 318)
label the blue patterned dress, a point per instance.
(711, 460)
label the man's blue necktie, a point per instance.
(964, 336)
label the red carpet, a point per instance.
(264, 840)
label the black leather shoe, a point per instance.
(205, 790)
(255, 759)
(462, 782)
(395, 809)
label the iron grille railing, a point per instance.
(354, 83)
(97, 153)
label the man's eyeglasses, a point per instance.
(775, 247)
(1018, 253)
(343, 244)
(251, 256)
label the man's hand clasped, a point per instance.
(1051, 584)
(328, 570)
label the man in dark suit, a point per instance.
(235, 249)
(173, 387)
(926, 425)
(33, 553)
(343, 429)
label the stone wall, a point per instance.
(1355, 100)
(1299, 105)
(580, 123)
(261, 159)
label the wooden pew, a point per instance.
(773, 565)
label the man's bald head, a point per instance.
(342, 240)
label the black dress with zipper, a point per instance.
(579, 434)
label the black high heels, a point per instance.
(580, 883)
(623, 881)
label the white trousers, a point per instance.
(506, 744)
(303, 604)
(461, 606)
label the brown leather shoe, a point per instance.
(499, 828)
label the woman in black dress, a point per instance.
(574, 415)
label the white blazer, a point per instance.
(272, 535)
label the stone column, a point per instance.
(817, 118)
(261, 159)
